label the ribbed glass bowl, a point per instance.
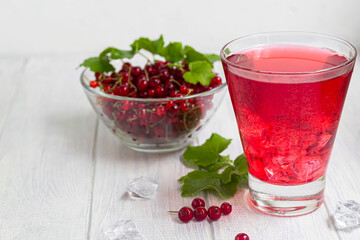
(139, 126)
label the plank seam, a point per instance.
(93, 163)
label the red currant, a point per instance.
(200, 213)
(107, 88)
(197, 202)
(160, 91)
(160, 111)
(93, 84)
(184, 89)
(164, 74)
(226, 208)
(126, 66)
(154, 82)
(214, 213)
(151, 93)
(216, 81)
(242, 236)
(183, 106)
(185, 214)
(142, 85)
(136, 71)
(169, 86)
(159, 63)
(169, 105)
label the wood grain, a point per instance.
(45, 154)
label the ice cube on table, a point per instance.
(347, 214)
(142, 187)
(123, 230)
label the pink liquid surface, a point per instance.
(287, 127)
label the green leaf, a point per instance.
(198, 180)
(117, 54)
(200, 71)
(213, 57)
(241, 165)
(192, 56)
(227, 174)
(207, 153)
(173, 52)
(153, 46)
(97, 64)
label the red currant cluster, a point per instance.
(159, 80)
(185, 214)
(154, 122)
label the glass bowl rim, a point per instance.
(115, 97)
(348, 62)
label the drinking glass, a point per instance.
(287, 90)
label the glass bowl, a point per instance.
(143, 125)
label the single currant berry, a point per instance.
(183, 106)
(160, 111)
(184, 89)
(142, 85)
(169, 86)
(169, 105)
(198, 202)
(173, 93)
(126, 66)
(154, 82)
(164, 74)
(151, 93)
(160, 91)
(93, 84)
(226, 208)
(136, 71)
(200, 213)
(142, 113)
(216, 81)
(143, 94)
(107, 88)
(159, 63)
(214, 213)
(97, 75)
(141, 77)
(185, 214)
(125, 76)
(242, 236)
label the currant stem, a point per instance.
(144, 56)
(172, 211)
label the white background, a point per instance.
(38, 27)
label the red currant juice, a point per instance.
(287, 127)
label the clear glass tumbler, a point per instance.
(287, 91)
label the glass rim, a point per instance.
(349, 61)
(115, 97)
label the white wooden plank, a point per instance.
(11, 71)
(45, 154)
(244, 218)
(343, 174)
(116, 165)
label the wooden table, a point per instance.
(63, 174)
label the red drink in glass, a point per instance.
(287, 129)
(287, 91)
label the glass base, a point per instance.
(280, 200)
